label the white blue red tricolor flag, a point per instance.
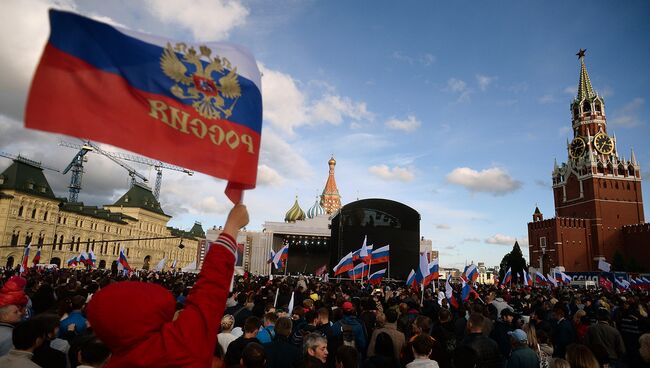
(37, 256)
(381, 255)
(344, 265)
(507, 278)
(23, 264)
(376, 277)
(358, 272)
(123, 263)
(196, 105)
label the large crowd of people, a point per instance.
(95, 318)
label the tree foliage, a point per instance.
(514, 260)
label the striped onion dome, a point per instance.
(295, 213)
(315, 210)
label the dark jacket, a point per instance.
(563, 336)
(47, 357)
(281, 353)
(523, 357)
(487, 350)
(233, 355)
(360, 336)
(311, 362)
(500, 336)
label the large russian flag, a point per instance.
(381, 255)
(359, 271)
(344, 265)
(197, 105)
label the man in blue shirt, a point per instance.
(267, 333)
(75, 318)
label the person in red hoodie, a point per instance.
(135, 319)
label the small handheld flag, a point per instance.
(376, 277)
(23, 264)
(122, 262)
(381, 255)
(37, 256)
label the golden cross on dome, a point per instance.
(581, 53)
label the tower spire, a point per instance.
(585, 90)
(330, 200)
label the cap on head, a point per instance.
(519, 335)
(347, 307)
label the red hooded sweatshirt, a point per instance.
(134, 319)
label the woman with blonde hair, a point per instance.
(225, 337)
(580, 324)
(579, 356)
(539, 345)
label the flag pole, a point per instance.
(422, 297)
(275, 302)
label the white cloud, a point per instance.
(546, 99)
(332, 109)
(571, 90)
(425, 59)
(279, 155)
(395, 173)
(493, 180)
(268, 176)
(287, 106)
(456, 85)
(408, 125)
(208, 20)
(484, 81)
(443, 227)
(24, 29)
(501, 239)
(628, 115)
(459, 87)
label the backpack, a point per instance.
(348, 335)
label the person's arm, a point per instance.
(197, 326)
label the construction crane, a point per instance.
(157, 165)
(26, 160)
(77, 166)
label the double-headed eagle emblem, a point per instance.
(212, 99)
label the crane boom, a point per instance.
(157, 165)
(132, 172)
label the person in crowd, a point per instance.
(152, 339)
(266, 333)
(350, 328)
(93, 354)
(315, 351)
(311, 317)
(421, 346)
(641, 358)
(465, 357)
(522, 356)
(26, 337)
(253, 356)
(500, 304)
(347, 357)
(225, 337)
(384, 354)
(540, 345)
(563, 332)
(281, 353)
(501, 329)
(602, 333)
(233, 354)
(390, 328)
(487, 349)
(580, 324)
(45, 355)
(559, 363)
(443, 332)
(408, 313)
(12, 310)
(579, 356)
(76, 318)
(10, 315)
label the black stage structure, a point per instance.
(384, 222)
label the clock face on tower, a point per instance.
(603, 143)
(577, 148)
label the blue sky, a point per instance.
(457, 110)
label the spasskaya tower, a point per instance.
(597, 192)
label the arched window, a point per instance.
(14, 238)
(20, 211)
(601, 169)
(598, 107)
(630, 170)
(61, 242)
(621, 170)
(45, 216)
(586, 107)
(576, 112)
(34, 213)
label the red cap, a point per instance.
(12, 292)
(347, 306)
